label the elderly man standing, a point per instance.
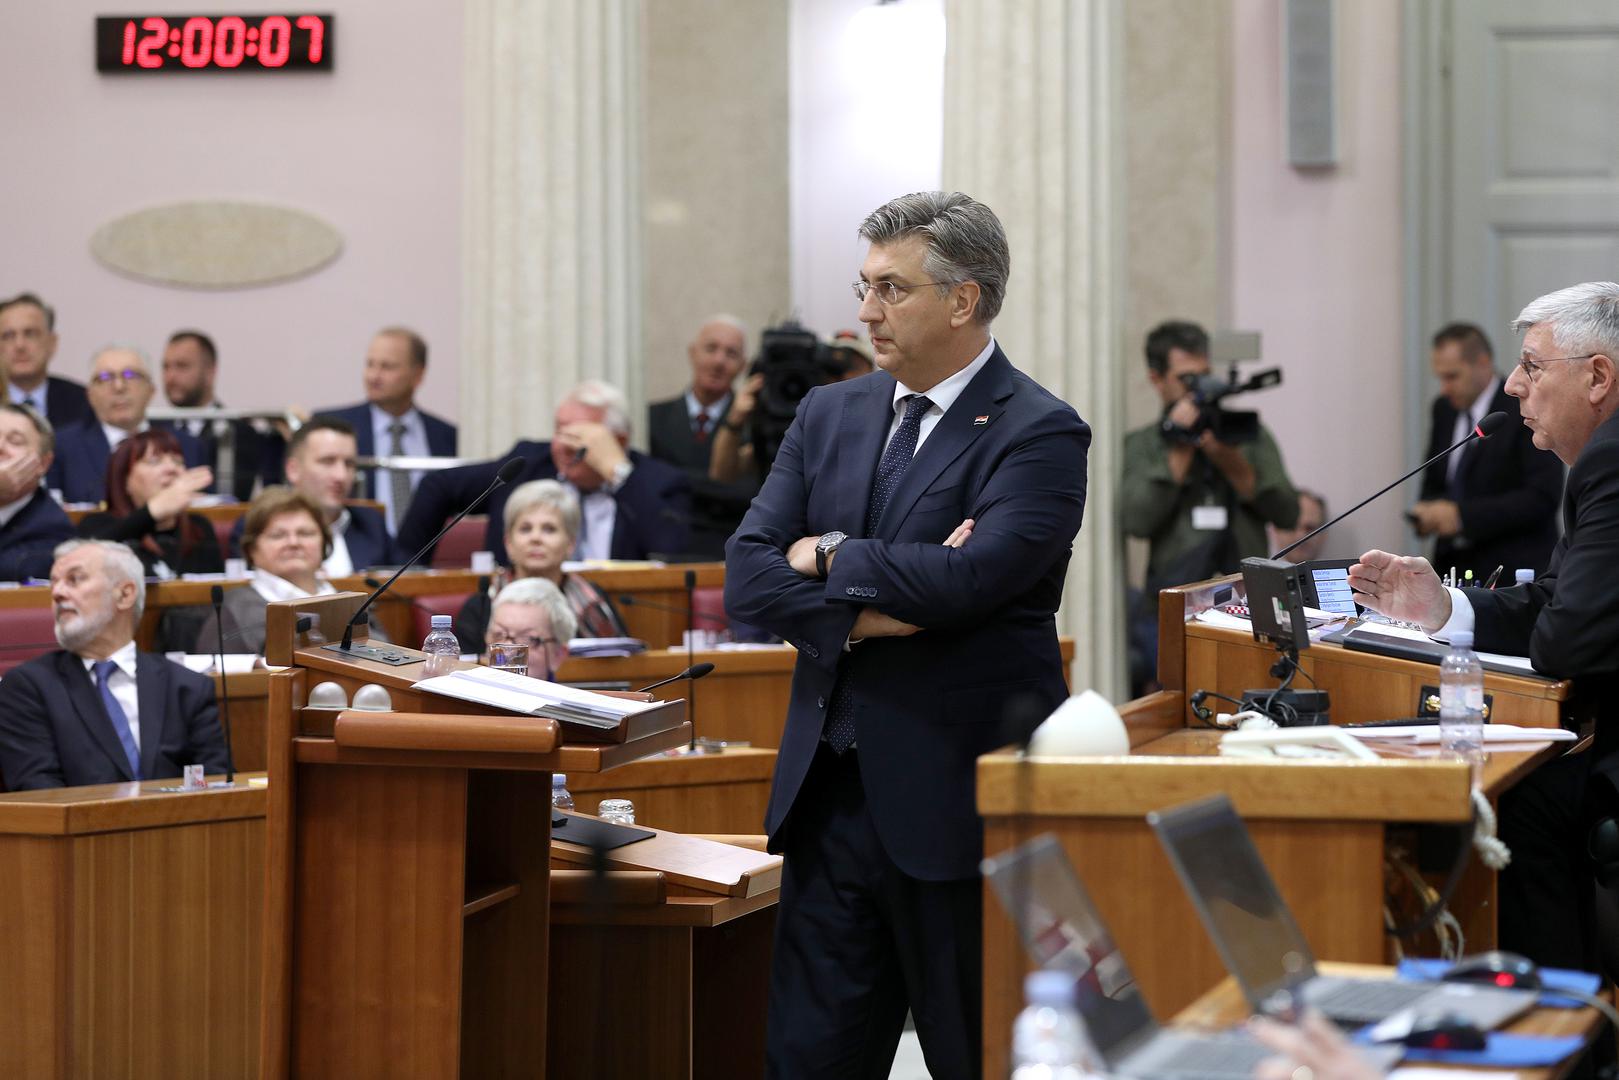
(97, 711)
(681, 430)
(1566, 621)
(120, 390)
(911, 541)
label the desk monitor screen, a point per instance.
(1062, 929)
(1326, 586)
(1276, 602)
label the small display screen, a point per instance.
(1332, 590)
(127, 44)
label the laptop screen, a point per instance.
(1062, 929)
(1234, 894)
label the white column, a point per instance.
(551, 211)
(1030, 96)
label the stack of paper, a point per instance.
(535, 697)
(605, 646)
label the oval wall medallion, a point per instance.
(216, 245)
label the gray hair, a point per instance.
(1582, 318)
(526, 497)
(541, 593)
(121, 565)
(47, 434)
(965, 242)
(732, 321)
(119, 346)
(595, 394)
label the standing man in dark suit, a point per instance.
(190, 365)
(681, 430)
(98, 711)
(27, 343)
(388, 423)
(911, 541)
(1494, 502)
(31, 524)
(1566, 621)
(120, 390)
(631, 506)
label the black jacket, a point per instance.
(28, 541)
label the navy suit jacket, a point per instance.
(82, 452)
(367, 538)
(66, 403)
(654, 505)
(54, 730)
(1509, 495)
(985, 667)
(28, 540)
(441, 437)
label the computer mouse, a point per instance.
(1443, 1031)
(1496, 968)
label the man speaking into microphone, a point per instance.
(1566, 621)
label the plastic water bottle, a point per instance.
(441, 647)
(1461, 699)
(560, 798)
(1048, 1040)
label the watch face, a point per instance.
(831, 540)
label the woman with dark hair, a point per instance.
(149, 490)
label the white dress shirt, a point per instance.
(116, 435)
(598, 514)
(35, 397)
(122, 684)
(339, 563)
(714, 411)
(942, 396)
(414, 442)
(1467, 421)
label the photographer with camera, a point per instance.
(791, 363)
(1202, 483)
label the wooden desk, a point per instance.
(132, 921)
(1224, 1006)
(693, 793)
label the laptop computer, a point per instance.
(1262, 946)
(1062, 930)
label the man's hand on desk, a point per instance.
(1313, 1048)
(1437, 517)
(1401, 587)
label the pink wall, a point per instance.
(374, 148)
(1316, 266)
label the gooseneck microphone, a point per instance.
(508, 473)
(695, 672)
(216, 596)
(1486, 427)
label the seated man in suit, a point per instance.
(97, 711)
(31, 524)
(632, 506)
(1566, 621)
(27, 343)
(320, 465)
(388, 423)
(911, 541)
(190, 365)
(1494, 502)
(681, 430)
(120, 390)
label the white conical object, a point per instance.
(1086, 724)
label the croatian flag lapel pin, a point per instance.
(980, 421)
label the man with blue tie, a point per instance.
(98, 711)
(911, 541)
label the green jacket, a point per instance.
(1155, 508)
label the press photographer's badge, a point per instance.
(1211, 518)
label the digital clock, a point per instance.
(178, 43)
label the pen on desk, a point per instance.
(1493, 578)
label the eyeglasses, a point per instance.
(128, 375)
(887, 291)
(496, 634)
(1531, 368)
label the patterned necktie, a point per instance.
(701, 434)
(399, 478)
(890, 471)
(116, 714)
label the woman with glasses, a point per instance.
(149, 494)
(533, 612)
(285, 538)
(542, 526)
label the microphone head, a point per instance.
(509, 470)
(627, 600)
(697, 671)
(1496, 421)
(303, 624)
(216, 595)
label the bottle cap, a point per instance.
(441, 622)
(1523, 575)
(1462, 639)
(1049, 988)
(559, 779)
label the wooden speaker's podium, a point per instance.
(407, 867)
